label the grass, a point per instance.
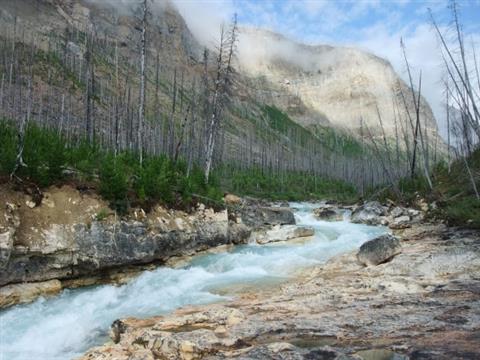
(328, 138)
(339, 142)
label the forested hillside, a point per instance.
(128, 95)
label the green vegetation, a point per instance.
(452, 192)
(124, 183)
(120, 179)
(464, 211)
(338, 142)
(292, 186)
(101, 215)
(50, 67)
(326, 137)
(282, 123)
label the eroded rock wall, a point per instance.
(72, 234)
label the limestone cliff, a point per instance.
(329, 85)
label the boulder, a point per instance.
(327, 213)
(238, 233)
(396, 212)
(422, 204)
(116, 330)
(231, 199)
(401, 222)
(370, 213)
(379, 250)
(30, 204)
(260, 216)
(282, 233)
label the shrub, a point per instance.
(293, 186)
(465, 211)
(155, 180)
(85, 158)
(8, 147)
(101, 215)
(44, 155)
(114, 184)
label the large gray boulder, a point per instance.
(238, 233)
(371, 213)
(259, 216)
(379, 250)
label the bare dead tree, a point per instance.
(385, 168)
(458, 71)
(417, 109)
(447, 97)
(25, 119)
(143, 55)
(171, 122)
(184, 123)
(222, 86)
(89, 88)
(416, 96)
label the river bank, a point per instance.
(72, 239)
(67, 325)
(395, 299)
(423, 304)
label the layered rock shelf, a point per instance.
(420, 303)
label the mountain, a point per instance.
(292, 106)
(329, 85)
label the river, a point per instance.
(65, 326)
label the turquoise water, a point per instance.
(65, 326)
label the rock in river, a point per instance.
(379, 250)
(262, 215)
(327, 213)
(282, 233)
(370, 213)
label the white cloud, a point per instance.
(205, 18)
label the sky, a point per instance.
(372, 25)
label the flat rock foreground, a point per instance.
(421, 303)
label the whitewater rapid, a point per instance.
(65, 326)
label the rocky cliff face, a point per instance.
(328, 85)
